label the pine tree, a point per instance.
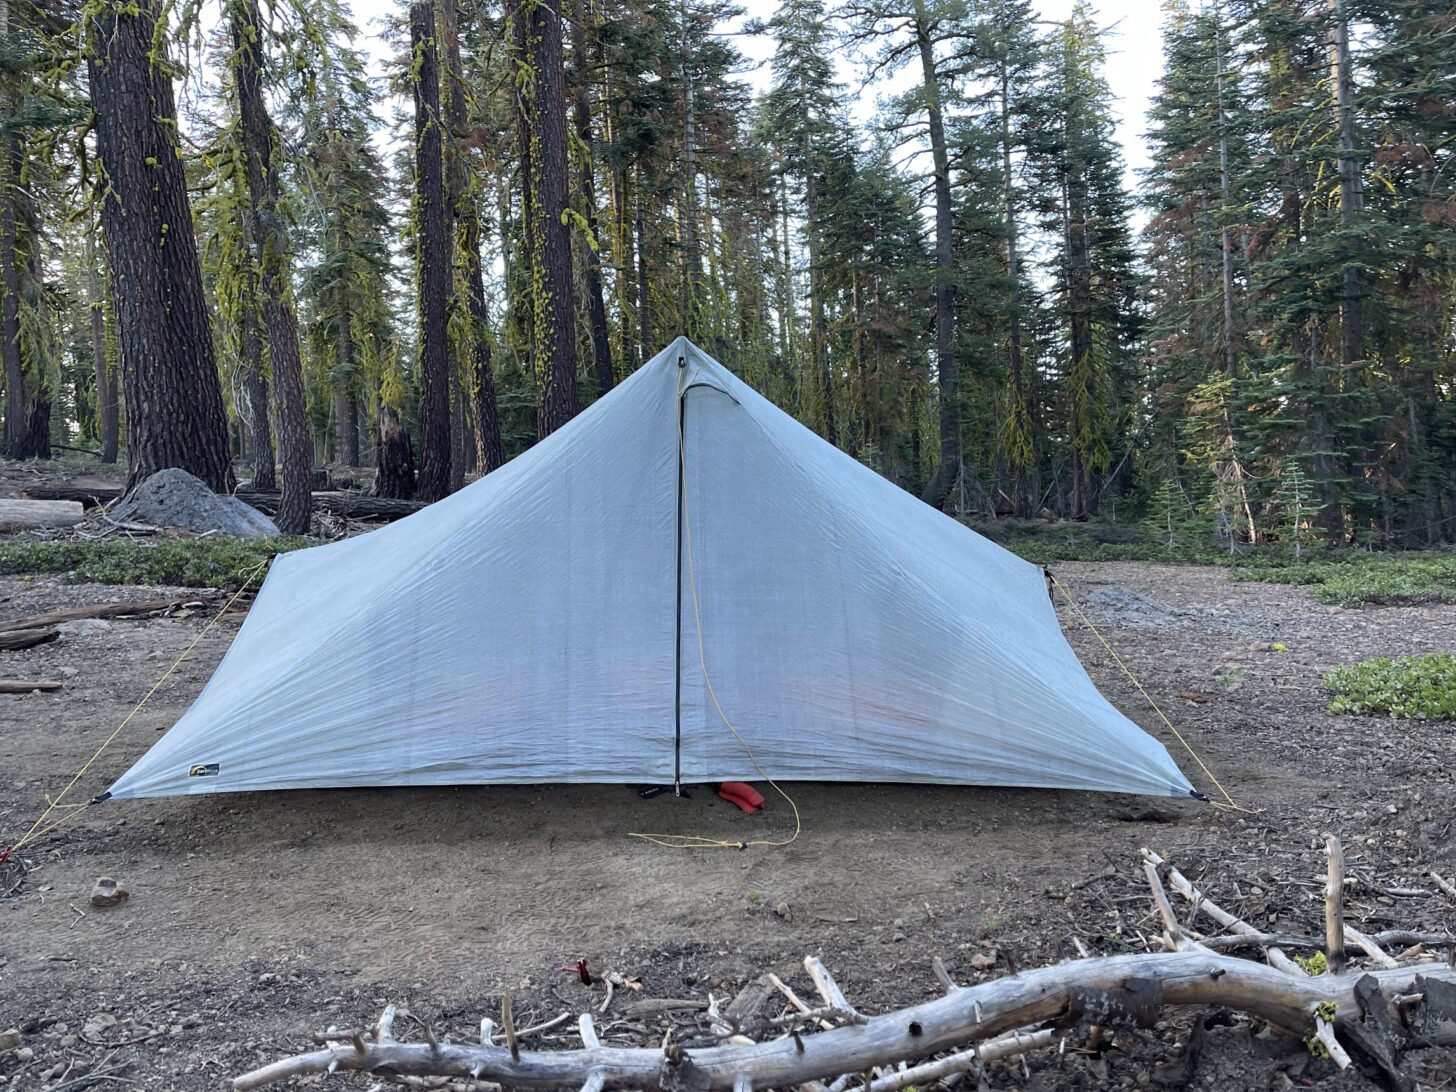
(801, 114)
(907, 32)
(1086, 211)
(268, 237)
(174, 405)
(539, 82)
(345, 225)
(432, 256)
(471, 321)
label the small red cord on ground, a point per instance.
(5, 854)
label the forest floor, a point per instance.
(255, 920)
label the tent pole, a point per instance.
(677, 637)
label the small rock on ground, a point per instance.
(108, 892)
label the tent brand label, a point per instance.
(204, 769)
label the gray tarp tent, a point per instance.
(542, 624)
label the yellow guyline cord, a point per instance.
(1228, 802)
(693, 841)
(40, 827)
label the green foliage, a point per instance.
(1350, 579)
(1171, 520)
(1314, 964)
(1423, 687)
(212, 562)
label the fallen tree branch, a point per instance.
(1184, 886)
(13, 640)
(1235, 942)
(27, 686)
(969, 1015)
(101, 610)
(339, 502)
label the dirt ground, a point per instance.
(255, 920)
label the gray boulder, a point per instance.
(175, 498)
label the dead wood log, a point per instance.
(1335, 905)
(1184, 886)
(31, 515)
(1447, 888)
(13, 640)
(338, 502)
(1004, 1047)
(1087, 987)
(26, 686)
(1235, 942)
(101, 610)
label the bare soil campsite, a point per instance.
(255, 921)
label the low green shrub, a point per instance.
(1363, 578)
(211, 562)
(1412, 686)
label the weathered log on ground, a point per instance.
(26, 686)
(339, 502)
(31, 515)
(98, 610)
(1100, 990)
(13, 640)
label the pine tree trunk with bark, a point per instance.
(644, 307)
(945, 362)
(260, 427)
(476, 365)
(268, 236)
(817, 332)
(1352, 199)
(590, 241)
(541, 113)
(16, 422)
(432, 250)
(174, 406)
(395, 476)
(106, 415)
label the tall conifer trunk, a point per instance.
(591, 241)
(1352, 329)
(432, 251)
(691, 271)
(644, 307)
(478, 375)
(11, 156)
(541, 102)
(1022, 428)
(268, 236)
(174, 406)
(817, 333)
(945, 362)
(106, 415)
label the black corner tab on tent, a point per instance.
(102, 798)
(682, 361)
(1199, 796)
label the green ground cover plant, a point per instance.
(1412, 686)
(211, 562)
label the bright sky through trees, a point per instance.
(1134, 62)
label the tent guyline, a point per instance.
(43, 824)
(856, 633)
(1228, 801)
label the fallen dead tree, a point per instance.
(339, 502)
(130, 608)
(1372, 1012)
